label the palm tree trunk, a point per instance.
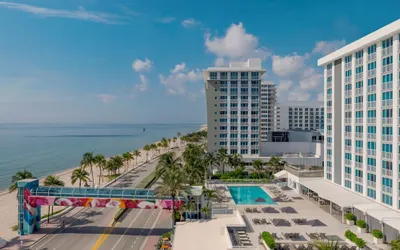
(173, 211)
(80, 182)
(91, 170)
(100, 176)
(136, 160)
(48, 215)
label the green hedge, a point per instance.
(377, 234)
(269, 240)
(350, 216)
(361, 224)
(360, 243)
(353, 238)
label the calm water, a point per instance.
(243, 195)
(46, 149)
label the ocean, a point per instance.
(45, 149)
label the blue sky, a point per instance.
(142, 61)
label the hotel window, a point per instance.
(244, 75)
(347, 87)
(234, 75)
(347, 59)
(372, 81)
(213, 75)
(347, 184)
(359, 188)
(371, 130)
(387, 43)
(371, 98)
(371, 162)
(359, 69)
(224, 84)
(387, 148)
(359, 85)
(359, 54)
(329, 79)
(387, 113)
(223, 75)
(387, 60)
(223, 136)
(371, 193)
(387, 95)
(233, 136)
(254, 75)
(387, 199)
(244, 151)
(372, 49)
(244, 136)
(329, 66)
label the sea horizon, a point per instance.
(49, 148)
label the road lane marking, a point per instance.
(120, 238)
(144, 226)
(110, 227)
(151, 230)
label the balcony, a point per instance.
(347, 162)
(328, 97)
(372, 57)
(387, 103)
(347, 176)
(347, 134)
(387, 68)
(329, 85)
(371, 72)
(359, 91)
(329, 132)
(359, 179)
(387, 121)
(359, 105)
(329, 157)
(223, 100)
(387, 138)
(359, 150)
(371, 120)
(244, 108)
(347, 79)
(387, 172)
(223, 124)
(347, 66)
(329, 145)
(329, 109)
(359, 165)
(387, 189)
(371, 104)
(387, 51)
(329, 120)
(371, 184)
(347, 120)
(371, 168)
(371, 136)
(359, 135)
(359, 61)
(387, 86)
(371, 152)
(233, 116)
(329, 72)
(347, 148)
(359, 76)
(387, 155)
(347, 93)
(359, 120)
(347, 107)
(371, 89)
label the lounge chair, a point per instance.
(248, 210)
(264, 221)
(255, 210)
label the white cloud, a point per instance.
(106, 98)
(178, 68)
(299, 96)
(320, 97)
(235, 44)
(310, 79)
(139, 65)
(220, 61)
(80, 14)
(284, 85)
(144, 84)
(287, 65)
(190, 23)
(166, 20)
(326, 47)
(175, 82)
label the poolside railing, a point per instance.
(239, 181)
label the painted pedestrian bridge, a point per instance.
(31, 197)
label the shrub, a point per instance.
(350, 235)
(360, 243)
(377, 234)
(269, 240)
(350, 216)
(361, 224)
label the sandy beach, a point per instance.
(8, 201)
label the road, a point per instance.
(91, 228)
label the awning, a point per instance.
(334, 193)
(283, 174)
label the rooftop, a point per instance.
(252, 64)
(386, 31)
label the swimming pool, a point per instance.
(247, 195)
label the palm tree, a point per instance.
(167, 161)
(154, 148)
(174, 141)
(136, 153)
(101, 163)
(328, 245)
(169, 143)
(88, 160)
(210, 160)
(235, 160)
(195, 170)
(52, 181)
(147, 149)
(18, 177)
(174, 185)
(206, 211)
(209, 194)
(80, 175)
(190, 208)
(164, 142)
(222, 158)
(258, 167)
(276, 164)
(117, 162)
(127, 157)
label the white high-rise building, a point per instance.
(361, 82)
(268, 101)
(304, 117)
(233, 106)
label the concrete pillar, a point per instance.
(28, 212)
(330, 207)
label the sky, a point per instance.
(142, 61)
